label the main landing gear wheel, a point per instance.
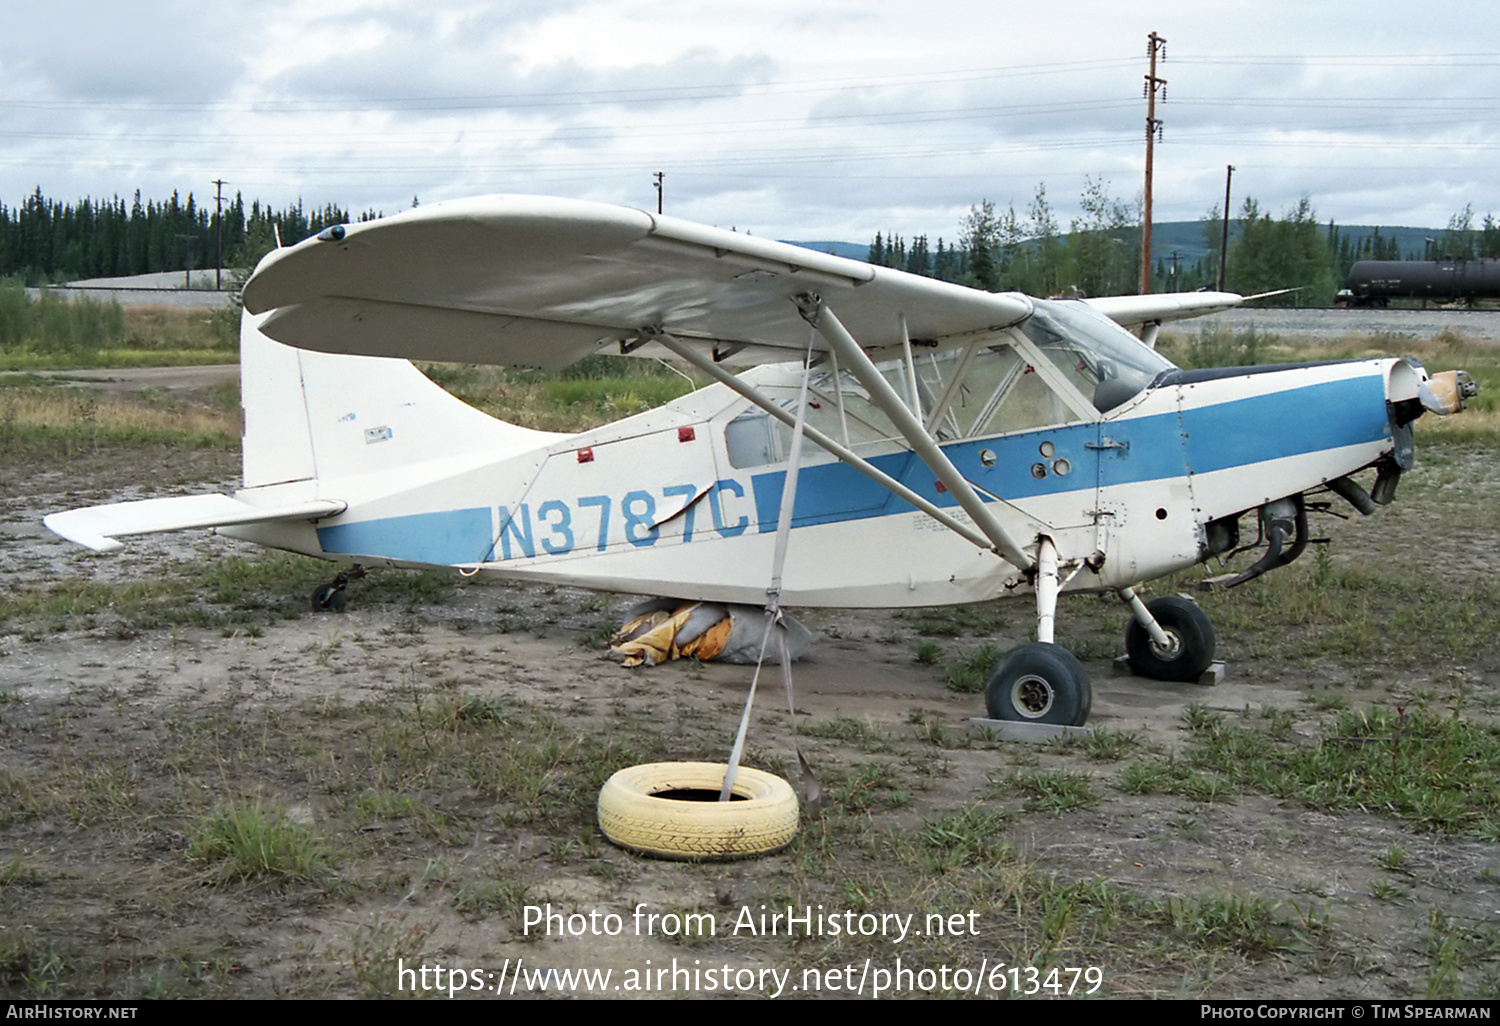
(1039, 683)
(1191, 637)
(671, 810)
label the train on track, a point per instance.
(1377, 282)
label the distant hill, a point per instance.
(854, 250)
(1187, 238)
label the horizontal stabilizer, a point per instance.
(100, 527)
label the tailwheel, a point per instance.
(330, 597)
(1039, 682)
(1190, 641)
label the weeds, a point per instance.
(593, 392)
(378, 952)
(1050, 791)
(927, 653)
(1221, 347)
(16, 873)
(245, 841)
(967, 838)
(1244, 924)
(970, 674)
(48, 331)
(68, 421)
(1108, 745)
(1452, 951)
(1441, 773)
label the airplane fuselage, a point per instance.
(656, 503)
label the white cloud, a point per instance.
(827, 121)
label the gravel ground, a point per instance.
(1333, 325)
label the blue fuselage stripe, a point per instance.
(1079, 457)
(1200, 440)
(446, 538)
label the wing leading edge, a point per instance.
(1134, 311)
(538, 281)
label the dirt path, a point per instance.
(134, 379)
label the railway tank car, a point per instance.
(1377, 282)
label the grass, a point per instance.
(1171, 777)
(247, 841)
(970, 674)
(47, 332)
(926, 653)
(1223, 347)
(595, 391)
(967, 838)
(231, 592)
(1050, 790)
(1440, 773)
(73, 419)
(1318, 607)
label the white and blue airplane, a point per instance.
(968, 445)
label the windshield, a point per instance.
(1106, 362)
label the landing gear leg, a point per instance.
(1041, 682)
(330, 597)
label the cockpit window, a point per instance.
(1105, 361)
(989, 389)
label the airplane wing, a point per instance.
(544, 282)
(1134, 311)
(100, 527)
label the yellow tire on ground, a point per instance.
(667, 809)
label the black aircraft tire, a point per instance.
(1039, 683)
(668, 810)
(326, 598)
(1188, 625)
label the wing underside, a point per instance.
(1134, 311)
(535, 281)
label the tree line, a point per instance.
(43, 240)
(1100, 253)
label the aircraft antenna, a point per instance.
(1155, 45)
(659, 176)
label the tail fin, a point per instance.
(309, 415)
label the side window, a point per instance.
(999, 393)
(841, 409)
(750, 441)
(1027, 403)
(1002, 393)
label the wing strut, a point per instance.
(843, 453)
(816, 313)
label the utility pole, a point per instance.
(219, 184)
(1155, 44)
(659, 176)
(1224, 232)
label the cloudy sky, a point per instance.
(825, 120)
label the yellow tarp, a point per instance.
(652, 638)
